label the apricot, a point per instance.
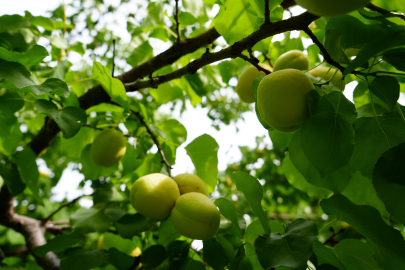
(108, 148)
(244, 86)
(292, 59)
(195, 216)
(282, 99)
(320, 72)
(191, 183)
(331, 7)
(154, 195)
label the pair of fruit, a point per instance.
(185, 198)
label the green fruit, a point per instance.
(154, 195)
(195, 216)
(191, 183)
(244, 86)
(108, 148)
(282, 99)
(320, 72)
(331, 7)
(352, 52)
(292, 59)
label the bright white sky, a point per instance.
(194, 119)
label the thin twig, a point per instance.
(45, 220)
(113, 59)
(268, 59)
(253, 62)
(155, 140)
(176, 17)
(384, 11)
(325, 53)
(266, 12)
(330, 239)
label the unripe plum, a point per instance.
(331, 7)
(191, 183)
(244, 86)
(292, 59)
(282, 99)
(154, 195)
(320, 72)
(195, 216)
(108, 148)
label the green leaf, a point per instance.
(386, 88)
(236, 20)
(130, 225)
(120, 260)
(59, 243)
(114, 87)
(155, 15)
(376, 48)
(253, 191)
(295, 178)
(333, 46)
(328, 141)
(81, 259)
(348, 254)
(360, 190)
(227, 247)
(374, 136)
(69, 119)
(111, 240)
(27, 166)
(10, 134)
(186, 19)
(30, 58)
(166, 92)
(90, 220)
(142, 53)
(342, 106)
(336, 181)
(227, 209)
(176, 134)
(105, 107)
(387, 242)
(397, 5)
(191, 264)
(259, 6)
(279, 139)
(107, 193)
(167, 233)
(10, 102)
(153, 256)
(214, 254)
(78, 47)
(60, 42)
(396, 58)
(293, 248)
(12, 178)
(388, 180)
(203, 151)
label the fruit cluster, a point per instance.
(184, 197)
(282, 95)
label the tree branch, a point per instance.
(155, 140)
(325, 53)
(266, 12)
(254, 63)
(384, 11)
(300, 22)
(176, 17)
(330, 239)
(31, 229)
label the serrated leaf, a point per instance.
(90, 220)
(114, 87)
(253, 191)
(81, 259)
(130, 225)
(203, 151)
(388, 244)
(112, 240)
(59, 243)
(333, 46)
(69, 119)
(30, 58)
(374, 136)
(348, 254)
(387, 89)
(328, 141)
(291, 249)
(11, 102)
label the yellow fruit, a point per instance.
(282, 99)
(320, 72)
(195, 216)
(154, 195)
(108, 148)
(331, 7)
(244, 86)
(191, 183)
(352, 52)
(100, 241)
(292, 59)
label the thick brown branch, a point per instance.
(325, 53)
(31, 229)
(288, 3)
(300, 22)
(155, 140)
(384, 11)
